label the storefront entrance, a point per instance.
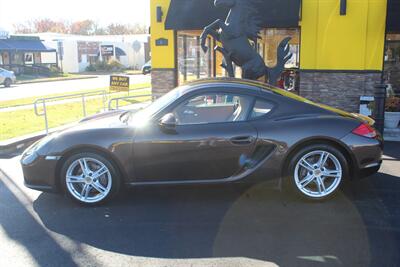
(194, 64)
(392, 64)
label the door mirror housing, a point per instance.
(168, 121)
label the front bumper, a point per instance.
(39, 173)
(366, 154)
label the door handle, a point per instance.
(242, 140)
(188, 112)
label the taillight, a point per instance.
(365, 130)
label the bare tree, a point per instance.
(42, 25)
(83, 27)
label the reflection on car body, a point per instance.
(207, 132)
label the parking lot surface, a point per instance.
(254, 225)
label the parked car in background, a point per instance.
(208, 132)
(146, 69)
(7, 77)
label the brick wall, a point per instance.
(340, 90)
(163, 81)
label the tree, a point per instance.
(41, 25)
(84, 27)
(139, 29)
(117, 29)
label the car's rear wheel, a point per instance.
(317, 171)
(89, 178)
(7, 82)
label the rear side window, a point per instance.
(261, 108)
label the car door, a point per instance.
(2, 76)
(209, 142)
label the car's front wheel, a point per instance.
(89, 178)
(317, 171)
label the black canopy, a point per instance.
(196, 14)
(24, 44)
(393, 19)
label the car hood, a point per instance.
(110, 119)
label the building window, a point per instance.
(392, 63)
(17, 58)
(193, 63)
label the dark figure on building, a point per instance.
(238, 35)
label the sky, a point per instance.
(101, 11)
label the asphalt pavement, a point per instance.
(17, 91)
(255, 225)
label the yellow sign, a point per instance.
(119, 83)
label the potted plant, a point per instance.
(392, 112)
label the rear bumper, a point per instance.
(366, 154)
(365, 172)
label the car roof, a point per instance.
(256, 85)
(275, 90)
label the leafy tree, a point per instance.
(84, 27)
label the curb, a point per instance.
(58, 80)
(108, 73)
(14, 147)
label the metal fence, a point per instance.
(42, 102)
(117, 100)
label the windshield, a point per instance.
(158, 105)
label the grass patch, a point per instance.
(133, 72)
(21, 122)
(30, 100)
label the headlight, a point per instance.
(29, 157)
(38, 145)
(31, 153)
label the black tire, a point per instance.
(7, 82)
(115, 177)
(146, 71)
(291, 180)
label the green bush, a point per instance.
(115, 65)
(101, 65)
(112, 65)
(90, 68)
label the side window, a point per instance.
(261, 108)
(213, 108)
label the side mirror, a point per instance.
(168, 121)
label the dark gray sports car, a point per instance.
(208, 132)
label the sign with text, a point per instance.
(119, 83)
(107, 50)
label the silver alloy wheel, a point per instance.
(318, 174)
(88, 180)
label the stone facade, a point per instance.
(340, 90)
(163, 80)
